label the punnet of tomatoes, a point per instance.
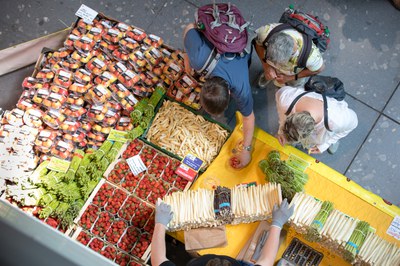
(105, 192)
(89, 216)
(115, 201)
(131, 181)
(141, 246)
(110, 252)
(129, 239)
(129, 208)
(121, 169)
(116, 230)
(84, 238)
(141, 215)
(158, 165)
(96, 244)
(133, 149)
(102, 224)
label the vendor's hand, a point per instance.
(163, 213)
(281, 214)
(282, 139)
(314, 150)
(282, 79)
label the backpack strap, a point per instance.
(210, 63)
(289, 110)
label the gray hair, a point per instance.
(280, 48)
(298, 126)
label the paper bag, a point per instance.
(203, 238)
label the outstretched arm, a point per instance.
(248, 131)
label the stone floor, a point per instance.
(364, 53)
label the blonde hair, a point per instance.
(298, 127)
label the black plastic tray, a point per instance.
(301, 254)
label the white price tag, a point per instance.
(86, 13)
(394, 228)
(136, 164)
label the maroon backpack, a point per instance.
(223, 25)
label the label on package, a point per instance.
(58, 165)
(86, 39)
(99, 62)
(65, 74)
(154, 37)
(186, 172)
(117, 135)
(121, 66)
(394, 228)
(107, 75)
(132, 99)
(187, 80)
(130, 74)
(45, 134)
(193, 162)
(86, 13)
(122, 26)
(175, 67)
(136, 165)
(113, 32)
(137, 32)
(95, 30)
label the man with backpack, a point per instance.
(313, 120)
(215, 47)
(290, 51)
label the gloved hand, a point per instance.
(281, 214)
(163, 213)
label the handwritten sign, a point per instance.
(136, 164)
(86, 13)
(394, 228)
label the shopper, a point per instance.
(229, 79)
(280, 57)
(305, 124)
(280, 215)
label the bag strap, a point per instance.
(278, 28)
(289, 110)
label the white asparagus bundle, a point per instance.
(181, 132)
(306, 208)
(377, 251)
(254, 203)
(192, 209)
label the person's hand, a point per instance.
(281, 214)
(314, 150)
(269, 72)
(163, 213)
(282, 139)
(282, 78)
(240, 160)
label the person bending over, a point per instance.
(280, 57)
(280, 215)
(305, 123)
(229, 79)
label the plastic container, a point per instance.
(62, 149)
(142, 91)
(128, 44)
(117, 68)
(53, 118)
(70, 64)
(70, 125)
(86, 125)
(82, 57)
(101, 128)
(95, 33)
(69, 42)
(45, 140)
(166, 54)
(54, 100)
(96, 66)
(153, 56)
(74, 111)
(111, 118)
(122, 27)
(106, 79)
(45, 75)
(33, 117)
(124, 124)
(40, 96)
(15, 117)
(120, 54)
(82, 76)
(177, 55)
(29, 83)
(128, 78)
(137, 60)
(99, 94)
(79, 88)
(62, 53)
(148, 78)
(186, 84)
(25, 103)
(63, 78)
(96, 113)
(59, 90)
(112, 35)
(153, 40)
(75, 99)
(95, 138)
(136, 34)
(173, 70)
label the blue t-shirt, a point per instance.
(235, 71)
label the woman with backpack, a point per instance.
(306, 124)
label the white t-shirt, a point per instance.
(341, 119)
(314, 61)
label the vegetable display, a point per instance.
(313, 232)
(279, 171)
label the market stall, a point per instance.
(92, 144)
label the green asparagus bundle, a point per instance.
(156, 96)
(73, 167)
(135, 133)
(51, 180)
(137, 114)
(313, 232)
(61, 209)
(87, 188)
(71, 213)
(46, 199)
(112, 154)
(48, 210)
(81, 176)
(356, 240)
(104, 148)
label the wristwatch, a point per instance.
(247, 148)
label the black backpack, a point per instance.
(327, 87)
(311, 28)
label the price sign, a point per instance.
(394, 228)
(136, 165)
(86, 13)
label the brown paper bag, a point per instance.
(202, 238)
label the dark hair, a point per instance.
(214, 96)
(218, 262)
